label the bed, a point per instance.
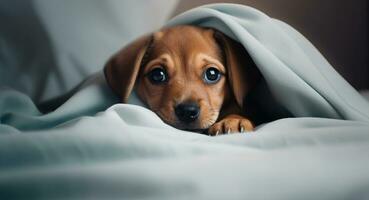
(93, 147)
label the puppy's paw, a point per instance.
(231, 124)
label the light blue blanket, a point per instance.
(88, 148)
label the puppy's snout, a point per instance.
(187, 112)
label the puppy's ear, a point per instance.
(122, 69)
(242, 72)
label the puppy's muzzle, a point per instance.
(187, 112)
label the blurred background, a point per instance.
(47, 47)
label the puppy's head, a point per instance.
(184, 74)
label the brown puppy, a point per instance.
(193, 78)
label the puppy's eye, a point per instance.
(211, 75)
(158, 75)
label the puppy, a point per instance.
(193, 78)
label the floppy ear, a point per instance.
(122, 68)
(242, 72)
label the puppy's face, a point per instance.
(183, 73)
(182, 77)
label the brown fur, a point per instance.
(185, 52)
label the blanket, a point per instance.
(93, 147)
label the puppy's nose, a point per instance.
(187, 112)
